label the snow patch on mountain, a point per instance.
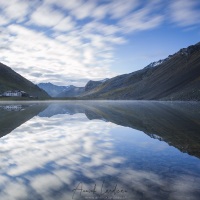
(156, 63)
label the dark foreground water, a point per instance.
(100, 150)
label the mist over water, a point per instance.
(98, 149)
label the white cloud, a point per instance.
(84, 10)
(120, 8)
(100, 12)
(65, 25)
(69, 5)
(115, 9)
(100, 28)
(15, 9)
(88, 55)
(41, 52)
(140, 20)
(62, 54)
(46, 16)
(184, 12)
(3, 20)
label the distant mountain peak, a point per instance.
(70, 90)
(52, 89)
(189, 50)
(61, 91)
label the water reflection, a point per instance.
(73, 146)
(178, 124)
(12, 107)
(13, 115)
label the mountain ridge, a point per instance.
(61, 91)
(69, 91)
(175, 78)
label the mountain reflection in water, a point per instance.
(83, 150)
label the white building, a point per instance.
(15, 93)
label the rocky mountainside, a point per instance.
(10, 80)
(174, 78)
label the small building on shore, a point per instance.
(15, 93)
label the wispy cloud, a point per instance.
(3, 20)
(46, 16)
(118, 9)
(15, 9)
(84, 10)
(76, 39)
(185, 13)
(65, 24)
(141, 20)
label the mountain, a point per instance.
(93, 84)
(68, 91)
(51, 89)
(10, 80)
(61, 91)
(174, 78)
(72, 91)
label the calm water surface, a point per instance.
(100, 150)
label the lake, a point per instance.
(100, 150)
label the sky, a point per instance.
(69, 42)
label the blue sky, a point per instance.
(72, 41)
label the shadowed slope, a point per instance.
(10, 80)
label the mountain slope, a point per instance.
(174, 78)
(93, 84)
(51, 89)
(10, 80)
